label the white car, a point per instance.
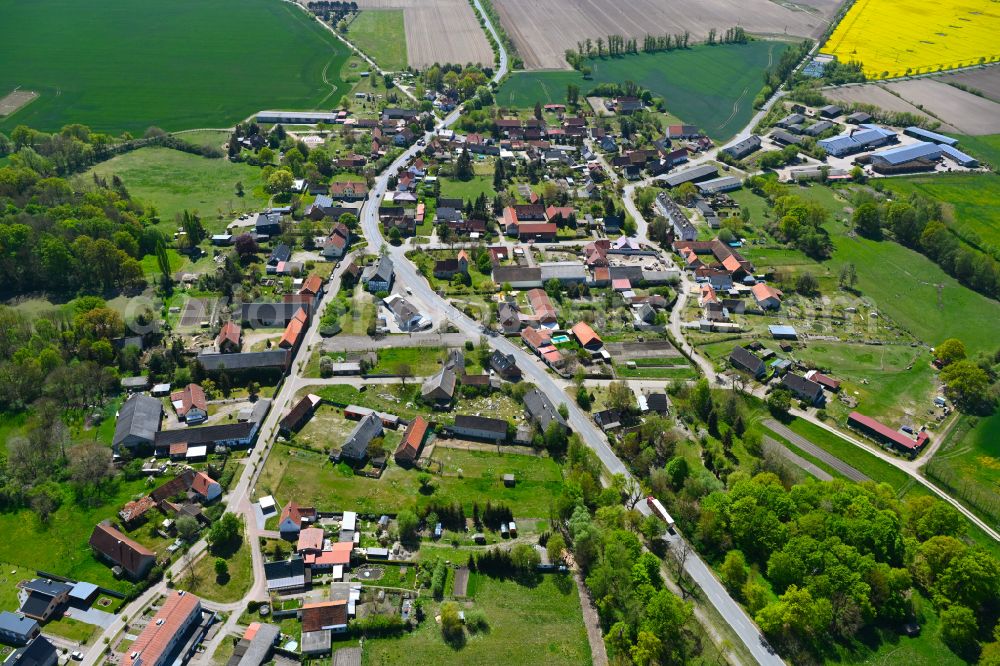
(77, 656)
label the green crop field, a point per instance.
(985, 147)
(173, 181)
(381, 35)
(712, 87)
(127, 64)
(968, 464)
(971, 203)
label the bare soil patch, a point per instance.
(625, 351)
(985, 80)
(461, 581)
(439, 31)
(16, 99)
(872, 93)
(969, 113)
(543, 31)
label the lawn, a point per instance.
(971, 203)
(172, 181)
(916, 293)
(968, 464)
(66, 534)
(10, 576)
(211, 138)
(327, 426)
(889, 381)
(467, 190)
(381, 35)
(422, 361)
(719, 99)
(395, 399)
(68, 628)
(464, 476)
(225, 590)
(178, 65)
(515, 613)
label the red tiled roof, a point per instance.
(312, 284)
(585, 334)
(412, 439)
(732, 264)
(762, 292)
(296, 513)
(294, 330)
(201, 483)
(120, 549)
(621, 284)
(894, 436)
(159, 634)
(535, 228)
(251, 631)
(178, 448)
(536, 338)
(230, 333)
(559, 211)
(134, 509)
(310, 538)
(190, 396)
(325, 614)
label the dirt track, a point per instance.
(439, 31)
(544, 29)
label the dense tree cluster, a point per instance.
(55, 238)
(797, 221)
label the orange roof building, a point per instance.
(229, 337)
(413, 439)
(586, 336)
(312, 285)
(293, 332)
(310, 540)
(157, 643)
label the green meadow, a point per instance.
(712, 87)
(970, 203)
(124, 65)
(381, 35)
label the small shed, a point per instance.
(509, 480)
(267, 504)
(479, 537)
(512, 528)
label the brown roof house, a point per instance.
(228, 341)
(110, 545)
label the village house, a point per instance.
(16, 629)
(445, 269)
(355, 448)
(439, 389)
(190, 404)
(378, 276)
(803, 389)
(228, 340)
(349, 191)
(505, 365)
(744, 360)
(293, 519)
(766, 296)
(110, 545)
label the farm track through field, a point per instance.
(797, 460)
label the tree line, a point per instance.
(914, 221)
(617, 45)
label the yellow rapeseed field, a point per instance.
(897, 37)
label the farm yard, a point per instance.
(101, 69)
(381, 34)
(719, 100)
(542, 31)
(892, 39)
(445, 31)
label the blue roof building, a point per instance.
(959, 157)
(782, 332)
(16, 629)
(927, 135)
(904, 154)
(866, 137)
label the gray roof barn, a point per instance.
(440, 387)
(138, 422)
